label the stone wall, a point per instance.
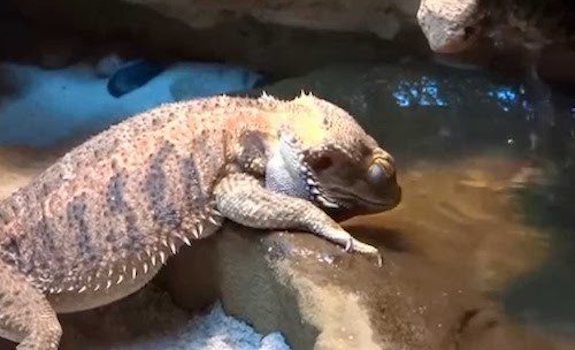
(282, 37)
(385, 18)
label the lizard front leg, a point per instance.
(25, 313)
(242, 198)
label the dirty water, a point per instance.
(487, 167)
(487, 180)
(489, 188)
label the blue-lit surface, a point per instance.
(47, 107)
(507, 97)
(424, 92)
(428, 92)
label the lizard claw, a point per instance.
(367, 249)
(349, 245)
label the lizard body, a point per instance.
(99, 223)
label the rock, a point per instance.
(533, 33)
(283, 37)
(448, 24)
(311, 291)
(381, 17)
(452, 26)
(107, 65)
(59, 51)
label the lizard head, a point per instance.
(323, 155)
(450, 26)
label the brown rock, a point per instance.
(381, 17)
(446, 23)
(445, 247)
(283, 37)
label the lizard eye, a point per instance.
(379, 172)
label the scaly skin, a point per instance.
(98, 224)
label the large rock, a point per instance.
(440, 259)
(381, 17)
(472, 29)
(452, 25)
(283, 37)
(448, 24)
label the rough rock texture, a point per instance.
(451, 26)
(444, 23)
(381, 17)
(283, 37)
(470, 29)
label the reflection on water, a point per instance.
(507, 186)
(423, 93)
(487, 167)
(460, 215)
(546, 297)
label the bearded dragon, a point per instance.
(99, 223)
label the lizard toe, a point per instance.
(367, 249)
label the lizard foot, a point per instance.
(367, 249)
(25, 313)
(350, 244)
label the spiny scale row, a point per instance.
(154, 255)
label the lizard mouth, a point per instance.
(294, 158)
(340, 199)
(307, 184)
(336, 196)
(313, 188)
